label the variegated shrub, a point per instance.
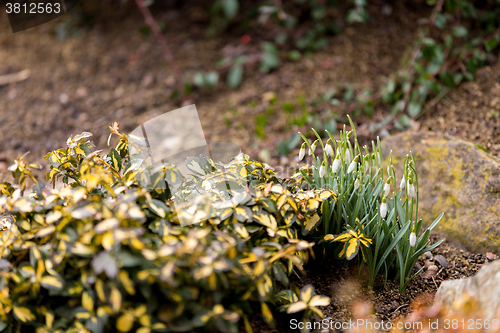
(99, 252)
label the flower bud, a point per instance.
(357, 184)
(322, 170)
(313, 147)
(328, 149)
(411, 189)
(336, 164)
(302, 151)
(413, 239)
(383, 208)
(347, 155)
(352, 166)
(402, 184)
(387, 187)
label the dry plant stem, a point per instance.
(159, 37)
(15, 77)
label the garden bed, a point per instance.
(345, 287)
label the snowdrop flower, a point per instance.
(336, 163)
(322, 170)
(347, 155)
(328, 149)
(383, 208)
(352, 166)
(313, 147)
(413, 239)
(411, 189)
(302, 151)
(357, 184)
(403, 183)
(387, 187)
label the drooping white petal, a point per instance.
(402, 184)
(335, 164)
(352, 166)
(411, 191)
(383, 210)
(347, 155)
(413, 239)
(357, 184)
(302, 153)
(387, 189)
(313, 147)
(329, 150)
(322, 170)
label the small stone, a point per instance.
(432, 268)
(428, 263)
(428, 254)
(63, 98)
(491, 256)
(442, 261)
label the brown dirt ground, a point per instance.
(113, 72)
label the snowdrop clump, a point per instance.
(368, 214)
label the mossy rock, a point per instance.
(457, 178)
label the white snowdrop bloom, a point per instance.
(313, 147)
(328, 149)
(387, 188)
(383, 208)
(402, 184)
(302, 151)
(347, 155)
(411, 190)
(413, 239)
(352, 166)
(322, 170)
(336, 164)
(357, 184)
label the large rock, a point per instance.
(482, 290)
(456, 178)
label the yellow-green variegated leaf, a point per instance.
(125, 322)
(296, 307)
(51, 282)
(306, 293)
(310, 223)
(312, 204)
(341, 254)
(343, 237)
(366, 241)
(328, 237)
(23, 314)
(267, 314)
(319, 301)
(241, 230)
(226, 214)
(45, 231)
(106, 225)
(267, 220)
(351, 248)
(243, 214)
(290, 218)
